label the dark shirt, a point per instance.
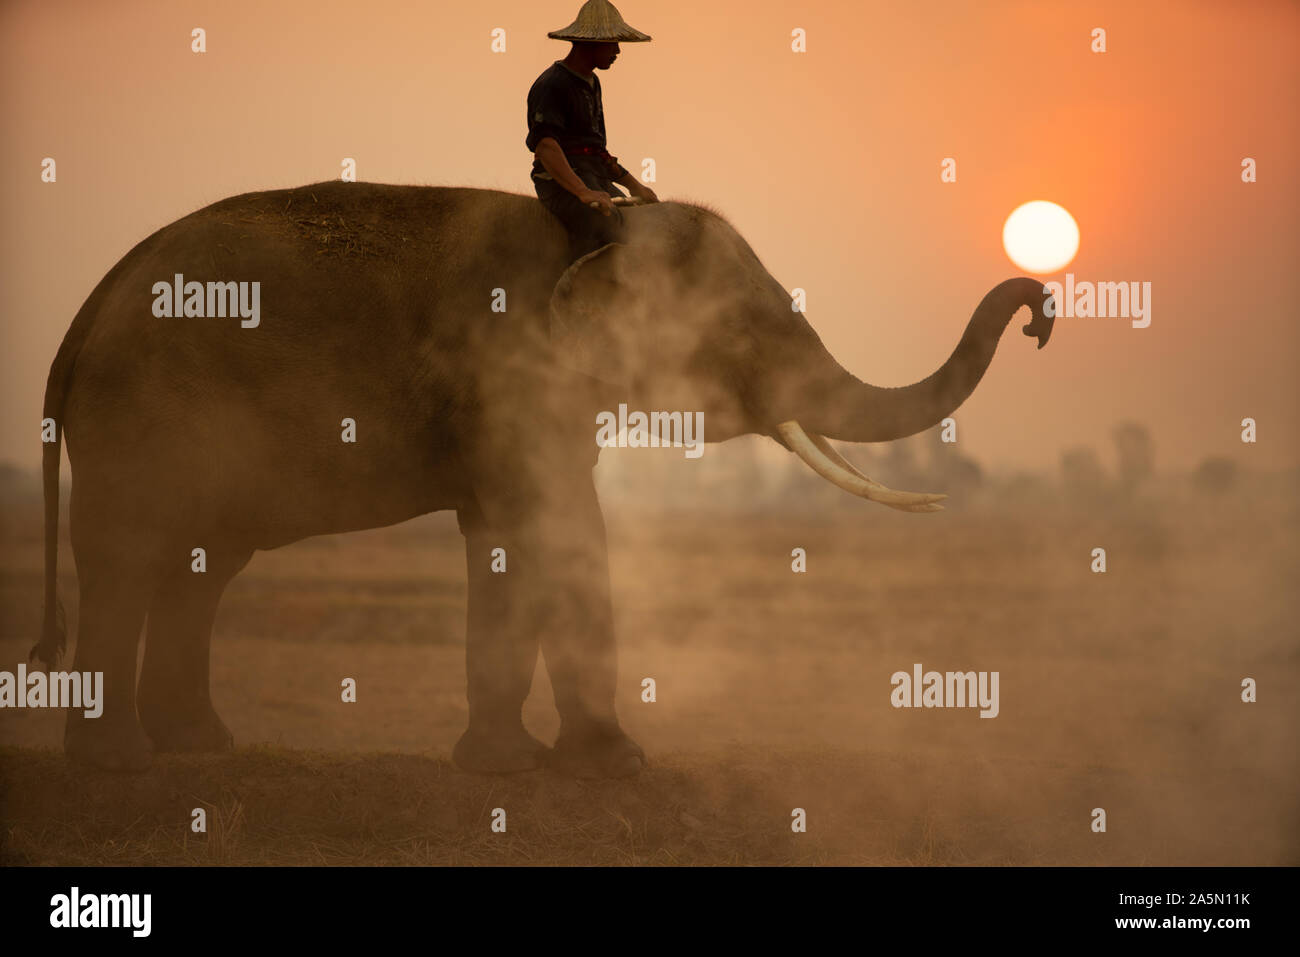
(568, 108)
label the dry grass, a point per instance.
(269, 806)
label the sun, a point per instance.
(1040, 236)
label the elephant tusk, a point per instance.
(819, 455)
(831, 453)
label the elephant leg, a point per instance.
(570, 576)
(558, 571)
(175, 694)
(500, 657)
(115, 593)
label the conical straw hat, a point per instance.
(599, 21)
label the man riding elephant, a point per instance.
(573, 172)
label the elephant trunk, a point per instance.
(835, 403)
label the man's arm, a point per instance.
(553, 159)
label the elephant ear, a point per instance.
(597, 315)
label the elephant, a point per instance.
(473, 358)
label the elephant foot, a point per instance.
(606, 753)
(202, 732)
(498, 750)
(95, 743)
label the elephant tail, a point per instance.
(54, 632)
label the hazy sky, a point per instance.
(828, 162)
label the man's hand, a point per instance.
(637, 188)
(641, 191)
(597, 200)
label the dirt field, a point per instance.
(1119, 691)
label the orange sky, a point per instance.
(827, 162)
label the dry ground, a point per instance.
(1118, 691)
